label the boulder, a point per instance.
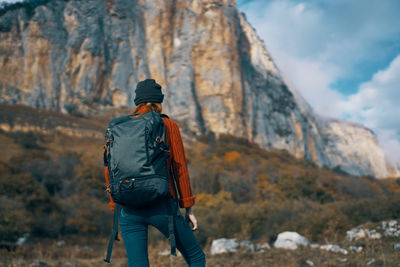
(359, 232)
(356, 249)
(310, 263)
(224, 245)
(262, 247)
(247, 245)
(22, 240)
(334, 248)
(355, 233)
(61, 243)
(165, 252)
(290, 240)
(391, 228)
(373, 234)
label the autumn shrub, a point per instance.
(31, 199)
(374, 210)
(29, 140)
(240, 187)
(205, 178)
(358, 187)
(85, 215)
(15, 220)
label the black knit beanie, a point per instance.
(148, 91)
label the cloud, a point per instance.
(312, 79)
(319, 44)
(376, 104)
(354, 37)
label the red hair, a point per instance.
(143, 108)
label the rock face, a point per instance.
(84, 56)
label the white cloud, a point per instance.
(389, 140)
(312, 79)
(315, 43)
(376, 104)
(341, 33)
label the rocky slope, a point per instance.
(82, 57)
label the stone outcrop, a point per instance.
(290, 240)
(83, 57)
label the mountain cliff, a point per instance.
(83, 57)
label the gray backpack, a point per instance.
(136, 154)
(136, 158)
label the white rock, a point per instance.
(22, 240)
(247, 244)
(262, 247)
(355, 233)
(290, 240)
(356, 249)
(165, 252)
(333, 248)
(373, 234)
(60, 243)
(359, 232)
(391, 228)
(396, 246)
(314, 245)
(223, 245)
(87, 248)
(392, 223)
(371, 261)
(310, 263)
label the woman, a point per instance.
(134, 223)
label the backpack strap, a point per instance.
(171, 230)
(164, 115)
(171, 225)
(114, 233)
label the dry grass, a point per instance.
(90, 251)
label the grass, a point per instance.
(242, 191)
(89, 251)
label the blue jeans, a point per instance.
(134, 228)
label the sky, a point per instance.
(343, 56)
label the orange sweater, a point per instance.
(179, 166)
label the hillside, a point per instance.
(52, 188)
(49, 173)
(85, 57)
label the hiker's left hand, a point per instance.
(190, 218)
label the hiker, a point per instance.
(134, 221)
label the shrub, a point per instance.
(14, 219)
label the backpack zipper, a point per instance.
(127, 180)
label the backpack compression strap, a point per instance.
(114, 233)
(171, 226)
(171, 230)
